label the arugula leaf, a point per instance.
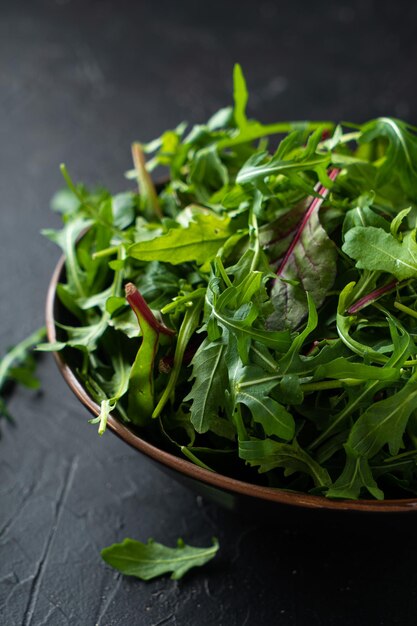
(66, 239)
(199, 242)
(85, 338)
(402, 345)
(384, 422)
(141, 380)
(260, 166)
(401, 156)
(344, 323)
(273, 417)
(269, 454)
(151, 560)
(356, 476)
(374, 249)
(342, 368)
(251, 386)
(208, 173)
(188, 327)
(18, 365)
(208, 391)
(240, 94)
(363, 215)
(240, 322)
(115, 388)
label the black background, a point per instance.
(78, 82)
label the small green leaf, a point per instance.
(374, 249)
(363, 215)
(198, 242)
(356, 476)
(400, 157)
(342, 368)
(18, 356)
(65, 201)
(81, 337)
(344, 323)
(115, 304)
(384, 422)
(241, 325)
(66, 240)
(240, 94)
(257, 169)
(18, 365)
(208, 392)
(269, 454)
(115, 388)
(208, 173)
(287, 162)
(151, 560)
(273, 417)
(397, 222)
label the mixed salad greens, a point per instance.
(257, 312)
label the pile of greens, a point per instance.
(271, 313)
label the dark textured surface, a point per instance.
(79, 81)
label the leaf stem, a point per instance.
(137, 302)
(371, 297)
(257, 131)
(330, 384)
(188, 327)
(405, 309)
(105, 252)
(146, 186)
(181, 300)
(222, 271)
(314, 206)
(238, 422)
(254, 237)
(187, 452)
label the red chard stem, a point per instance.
(139, 305)
(371, 297)
(314, 206)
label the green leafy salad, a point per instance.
(257, 312)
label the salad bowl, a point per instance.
(251, 324)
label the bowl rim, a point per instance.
(185, 467)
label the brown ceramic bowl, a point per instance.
(226, 491)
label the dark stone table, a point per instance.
(78, 82)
